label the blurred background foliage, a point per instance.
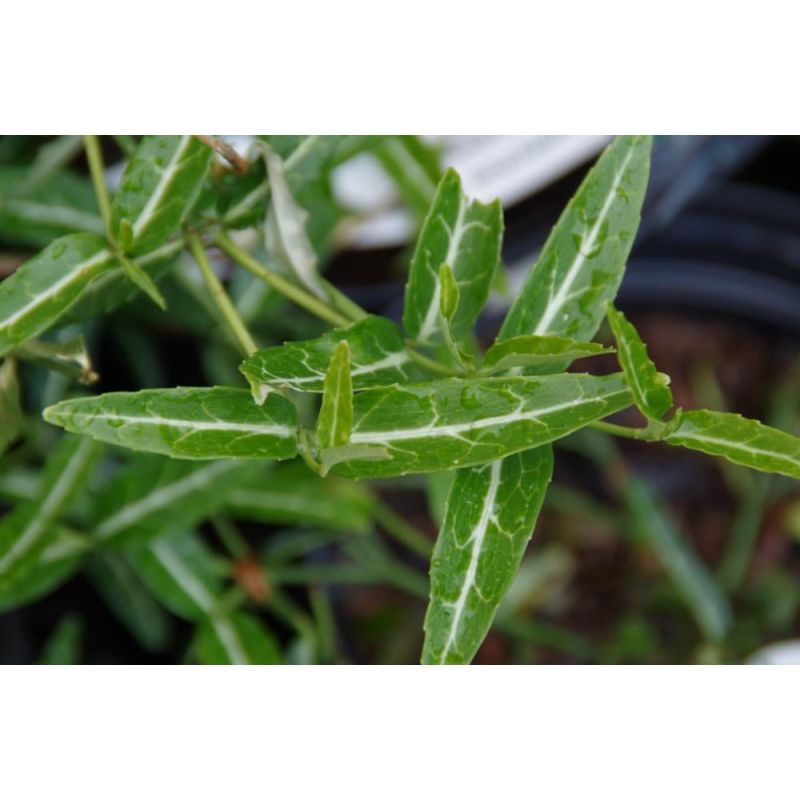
(642, 554)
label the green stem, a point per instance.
(230, 537)
(220, 297)
(640, 434)
(433, 366)
(95, 159)
(289, 290)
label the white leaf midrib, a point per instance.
(454, 429)
(556, 303)
(146, 214)
(477, 538)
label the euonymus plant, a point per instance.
(366, 399)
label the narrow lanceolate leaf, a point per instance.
(740, 440)
(69, 357)
(285, 230)
(537, 351)
(466, 236)
(185, 423)
(581, 265)
(235, 638)
(442, 424)
(53, 566)
(378, 357)
(43, 288)
(158, 188)
(10, 409)
(129, 599)
(139, 277)
(180, 571)
(335, 420)
(63, 646)
(656, 529)
(292, 495)
(305, 160)
(154, 494)
(413, 166)
(489, 520)
(649, 387)
(30, 527)
(112, 288)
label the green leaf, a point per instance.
(63, 646)
(44, 287)
(536, 351)
(235, 638)
(449, 294)
(50, 158)
(491, 512)
(159, 187)
(737, 439)
(656, 529)
(466, 236)
(442, 424)
(130, 600)
(113, 288)
(286, 238)
(649, 387)
(335, 421)
(154, 494)
(30, 527)
(413, 166)
(378, 357)
(138, 277)
(64, 203)
(292, 495)
(11, 418)
(69, 357)
(180, 571)
(305, 161)
(204, 423)
(581, 265)
(55, 565)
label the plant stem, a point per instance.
(431, 364)
(220, 297)
(640, 434)
(294, 293)
(95, 159)
(230, 537)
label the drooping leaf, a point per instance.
(738, 439)
(442, 424)
(466, 236)
(154, 494)
(179, 570)
(378, 357)
(43, 288)
(69, 357)
(293, 495)
(656, 529)
(305, 160)
(130, 600)
(159, 186)
(139, 278)
(649, 387)
(285, 229)
(30, 527)
(413, 166)
(581, 265)
(235, 638)
(335, 421)
(64, 643)
(10, 410)
(491, 512)
(536, 351)
(203, 423)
